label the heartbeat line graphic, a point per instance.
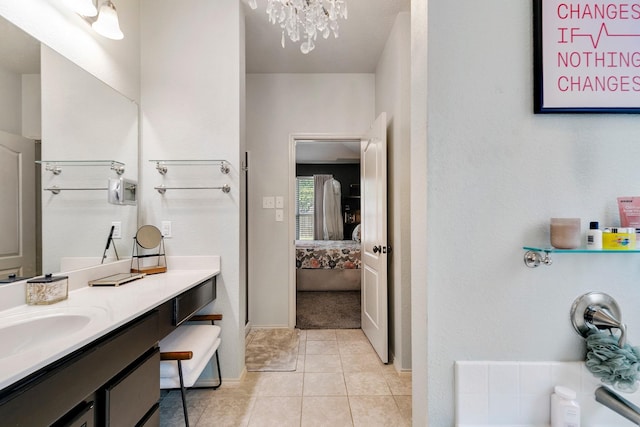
(595, 40)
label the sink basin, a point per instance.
(26, 332)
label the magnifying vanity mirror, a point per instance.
(148, 243)
(148, 237)
(76, 126)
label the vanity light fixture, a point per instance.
(103, 20)
(107, 24)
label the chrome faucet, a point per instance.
(618, 404)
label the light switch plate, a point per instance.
(279, 202)
(117, 230)
(268, 202)
(166, 228)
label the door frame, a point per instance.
(291, 208)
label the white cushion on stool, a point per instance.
(201, 340)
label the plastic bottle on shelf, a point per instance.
(565, 410)
(594, 236)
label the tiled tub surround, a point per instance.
(518, 394)
(110, 307)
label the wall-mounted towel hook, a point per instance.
(597, 310)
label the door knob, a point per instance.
(377, 249)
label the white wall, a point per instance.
(10, 102)
(20, 104)
(116, 62)
(277, 106)
(496, 173)
(419, 322)
(191, 102)
(393, 97)
(31, 106)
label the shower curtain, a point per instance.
(332, 210)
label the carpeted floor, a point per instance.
(272, 350)
(328, 310)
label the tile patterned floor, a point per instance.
(339, 381)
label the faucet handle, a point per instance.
(601, 318)
(599, 310)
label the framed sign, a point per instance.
(586, 56)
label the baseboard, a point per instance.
(210, 382)
(270, 327)
(399, 369)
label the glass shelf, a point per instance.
(54, 166)
(161, 165)
(537, 255)
(548, 249)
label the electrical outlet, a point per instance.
(279, 215)
(166, 228)
(279, 202)
(117, 230)
(268, 202)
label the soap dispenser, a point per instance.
(565, 410)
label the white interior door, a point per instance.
(17, 209)
(374, 249)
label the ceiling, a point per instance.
(362, 39)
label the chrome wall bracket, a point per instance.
(161, 168)
(54, 169)
(533, 259)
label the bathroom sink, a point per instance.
(22, 333)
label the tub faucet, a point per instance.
(618, 404)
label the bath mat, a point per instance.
(272, 350)
(328, 310)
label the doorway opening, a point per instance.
(325, 278)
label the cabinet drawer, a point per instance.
(80, 416)
(130, 397)
(193, 300)
(152, 419)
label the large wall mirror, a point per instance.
(75, 125)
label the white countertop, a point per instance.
(108, 309)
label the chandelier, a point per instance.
(305, 19)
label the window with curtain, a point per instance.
(304, 208)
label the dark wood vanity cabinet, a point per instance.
(114, 381)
